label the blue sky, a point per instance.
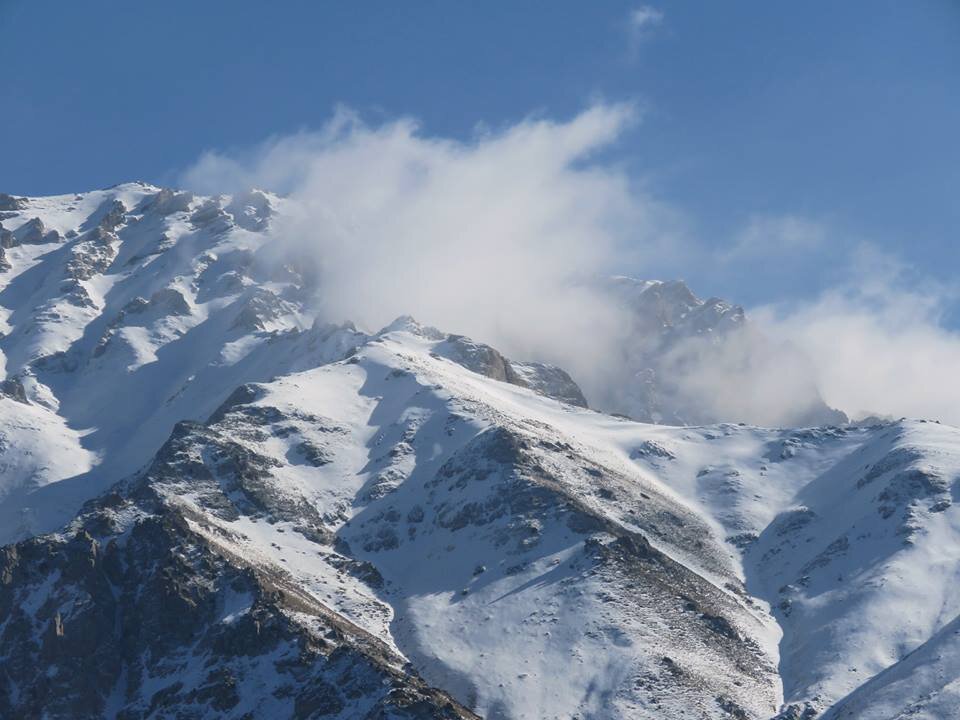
(839, 117)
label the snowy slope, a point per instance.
(925, 685)
(476, 529)
(127, 310)
(241, 512)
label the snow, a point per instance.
(37, 448)
(833, 550)
(741, 480)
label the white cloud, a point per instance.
(640, 22)
(490, 237)
(487, 237)
(878, 342)
(775, 236)
(645, 17)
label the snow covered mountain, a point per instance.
(215, 506)
(690, 361)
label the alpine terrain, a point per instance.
(213, 504)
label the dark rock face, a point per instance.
(167, 202)
(547, 380)
(33, 232)
(7, 240)
(132, 613)
(13, 389)
(143, 620)
(260, 307)
(11, 203)
(170, 301)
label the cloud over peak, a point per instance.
(490, 236)
(500, 236)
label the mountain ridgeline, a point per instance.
(215, 504)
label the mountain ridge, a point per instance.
(216, 505)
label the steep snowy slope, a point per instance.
(463, 523)
(248, 513)
(864, 567)
(851, 536)
(489, 537)
(923, 686)
(126, 310)
(36, 447)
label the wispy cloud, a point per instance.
(491, 237)
(640, 22)
(487, 237)
(775, 236)
(644, 18)
(878, 340)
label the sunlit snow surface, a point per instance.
(833, 551)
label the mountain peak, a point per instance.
(219, 504)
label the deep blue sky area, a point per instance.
(844, 112)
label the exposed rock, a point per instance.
(11, 203)
(167, 202)
(113, 215)
(7, 239)
(211, 216)
(250, 210)
(798, 711)
(546, 380)
(33, 232)
(13, 389)
(93, 254)
(170, 301)
(151, 606)
(261, 307)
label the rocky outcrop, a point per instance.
(481, 359)
(13, 389)
(141, 618)
(677, 352)
(93, 254)
(169, 301)
(11, 203)
(547, 380)
(135, 613)
(33, 232)
(211, 216)
(7, 240)
(250, 210)
(260, 309)
(168, 202)
(113, 214)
